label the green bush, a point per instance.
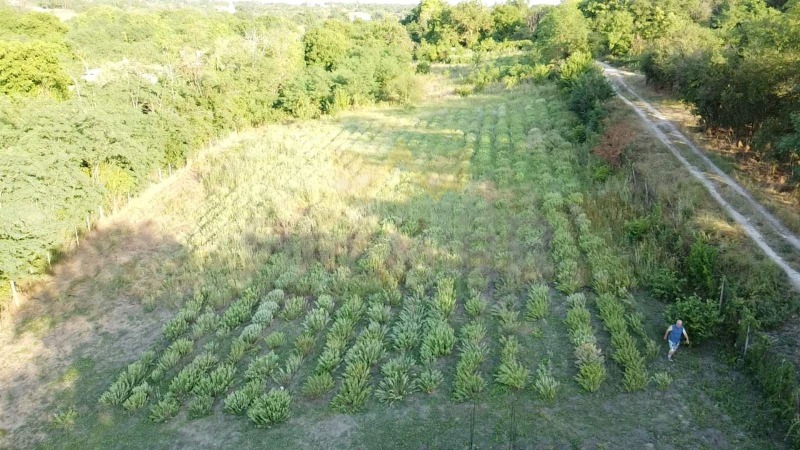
(591, 375)
(271, 408)
(355, 388)
(275, 339)
(545, 384)
(200, 406)
(430, 379)
(700, 317)
(397, 382)
(138, 397)
(438, 341)
(476, 305)
(587, 92)
(317, 384)
(237, 402)
(164, 409)
(538, 302)
(293, 308)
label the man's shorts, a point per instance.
(674, 345)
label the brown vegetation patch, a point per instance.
(613, 142)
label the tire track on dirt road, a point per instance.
(671, 137)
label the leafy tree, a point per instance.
(30, 68)
(563, 31)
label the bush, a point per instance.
(430, 379)
(587, 93)
(476, 305)
(200, 406)
(662, 380)
(237, 402)
(423, 67)
(165, 409)
(317, 384)
(293, 308)
(275, 339)
(397, 382)
(271, 408)
(138, 397)
(538, 302)
(355, 388)
(700, 317)
(546, 385)
(591, 375)
(438, 341)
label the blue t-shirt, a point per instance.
(675, 334)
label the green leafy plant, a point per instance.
(65, 420)
(275, 339)
(476, 305)
(662, 380)
(262, 367)
(318, 384)
(430, 379)
(164, 409)
(238, 401)
(438, 341)
(545, 384)
(138, 397)
(538, 302)
(200, 406)
(293, 308)
(271, 408)
(397, 382)
(510, 372)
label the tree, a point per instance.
(325, 46)
(31, 68)
(472, 21)
(563, 31)
(509, 20)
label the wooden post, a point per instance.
(77, 241)
(159, 174)
(88, 226)
(14, 294)
(49, 265)
(721, 294)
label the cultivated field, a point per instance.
(392, 278)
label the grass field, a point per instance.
(392, 278)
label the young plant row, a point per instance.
(564, 250)
(626, 354)
(588, 356)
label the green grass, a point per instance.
(418, 253)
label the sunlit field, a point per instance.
(403, 278)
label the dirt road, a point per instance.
(771, 236)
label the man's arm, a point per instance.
(667, 332)
(686, 335)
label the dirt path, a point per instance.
(761, 226)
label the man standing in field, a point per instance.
(674, 333)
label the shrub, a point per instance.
(285, 374)
(325, 302)
(587, 93)
(423, 67)
(237, 351)
(538, 302)
(207, 322)
(134, 374)
(474, 332)
(635, 377)
(138, 397)
(507, 316)
(317, 384)
(665, 284)
(510, 372)
(700, 267)
(662, 380)
(293, 308)
(476, 305)
(316, 320)
(304, 344)
(275, 339)
(164, 409)
(406, 334)
(65, 420)
(238, 401)
(591, 375)
(700, 317)
(430, 379)
(200, 406)
(546, 385)
(271, 408)
(251, 333)
(355, 388)
(379, 313)
(438, 341)
(445, 300)
(397, 382)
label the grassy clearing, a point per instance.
(415, 277)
